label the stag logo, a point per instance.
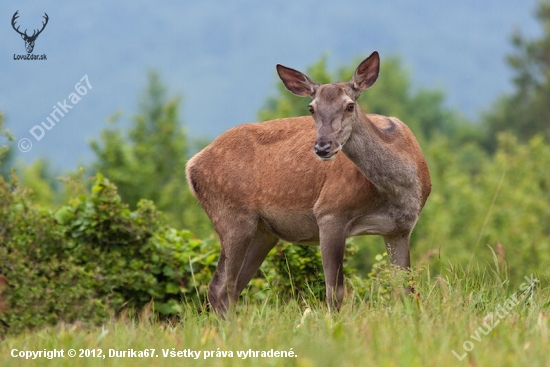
(29, 40)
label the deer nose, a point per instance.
(322, 148)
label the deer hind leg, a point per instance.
(236, 231)
(216, 283)
(260, 245)
(398, 251)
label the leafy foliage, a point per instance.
(501, 204)
(87, 259)
(38, 178)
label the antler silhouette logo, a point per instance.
(29, 40)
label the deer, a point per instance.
(29, 40)
(313, 180)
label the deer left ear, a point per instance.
(367, 73)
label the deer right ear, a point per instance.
(296, 82)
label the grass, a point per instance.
(376, 330)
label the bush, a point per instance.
(499, 201)
(94, 257)
(90, 258)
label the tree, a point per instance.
(40, 179)
(525, 111)
(149, 161)
(423, 110)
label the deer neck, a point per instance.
(374, 152)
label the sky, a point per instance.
(220, 57)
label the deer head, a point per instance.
(29, 40)
(333, 106)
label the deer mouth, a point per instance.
(328, 157)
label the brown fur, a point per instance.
(261, 182)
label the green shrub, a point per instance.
(94, 257)
(90, 258)
(43, 285)
(500, 201)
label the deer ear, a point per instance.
(366, 73)
(296, 82)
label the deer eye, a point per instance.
(310, 108)
(350, 107)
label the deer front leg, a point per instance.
(333, 243)
(398, 251)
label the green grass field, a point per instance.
(479, 315)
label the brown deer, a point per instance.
(262, 182)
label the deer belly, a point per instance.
(392, 222)
(292, 226)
